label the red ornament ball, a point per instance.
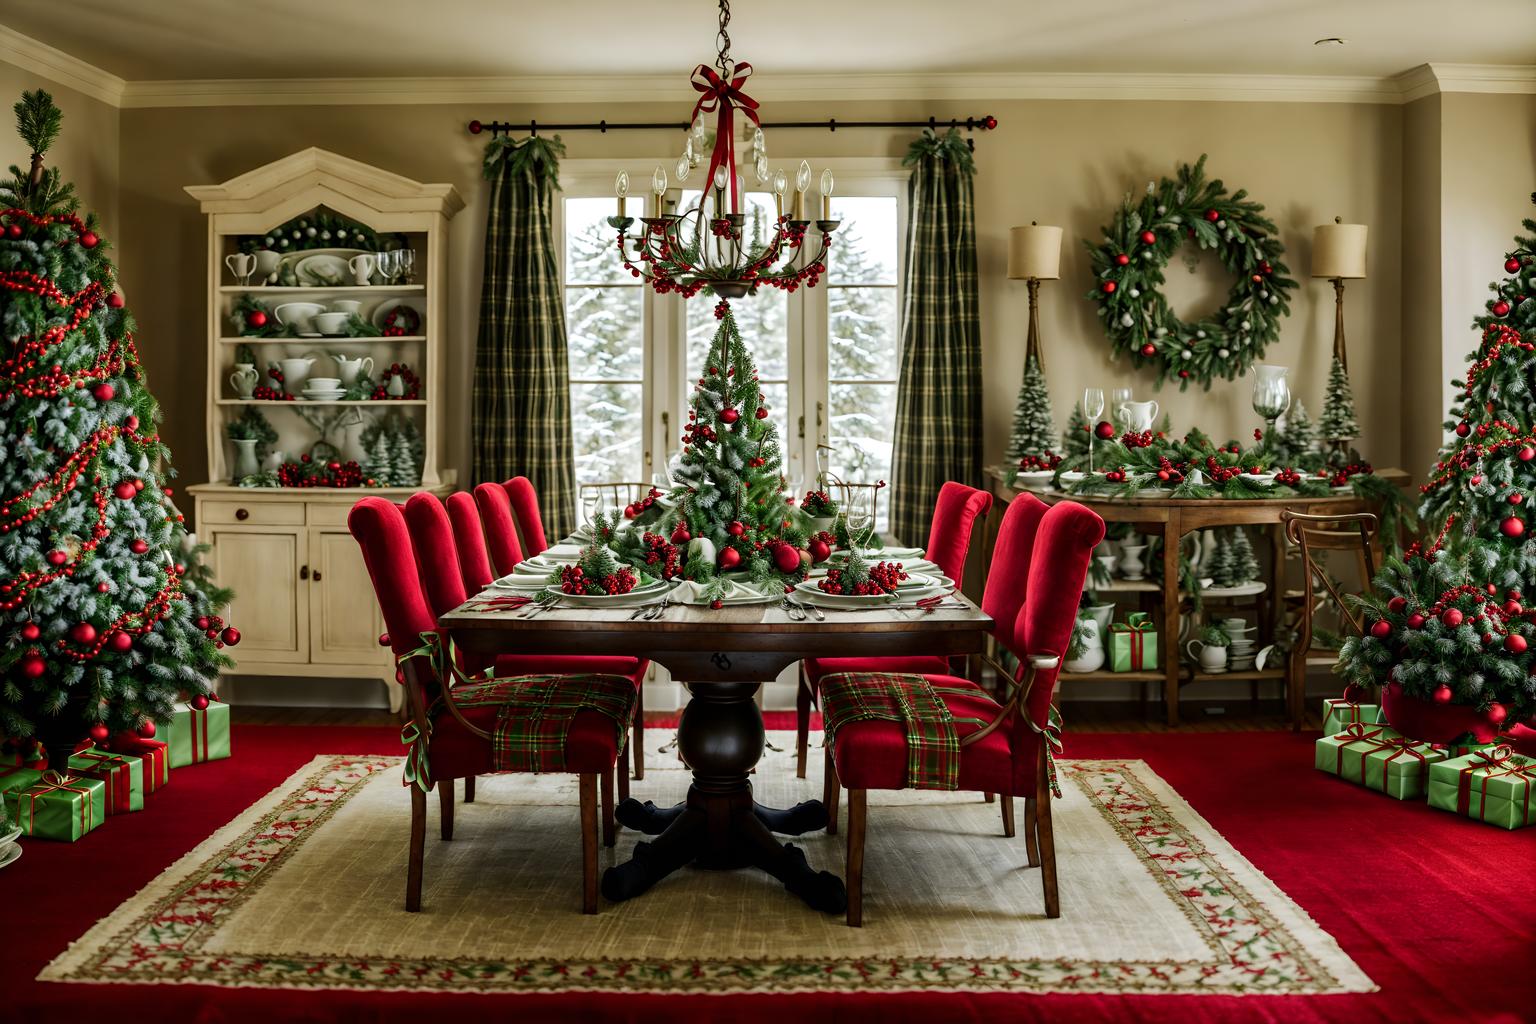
(820, 550)
(1527, 453)
(256, 318)
(1442, 694)
(1397, 604)
(1512, 265)
(1149, 350)
(1213, 215)
(230, 636)
(680, 534)
(1147, 238)
(730, 558)
(729, 415)
(121, 642)
(1512, 608)
(1501, 308)
(104, 392)
(125, 490)
(103, 587)
(1452, 617)
(736, 529)
(1463, 428)
(1381, 630)
(717, 604)
(32, 664)
(1108, 287)
(100, 733)
(31, 631)
(83, 633)
(139, 546)
(13, 230)
(1122, 259)
(1415, 621)
(1515, 643)
(132, 423)
(786, 557)
(1104, 430)
(89, 240)
(762, 412)
(1512, 527)
(146, 730)
(199, 703)
(1497, 713)
(115, 300)
(629, 511)
(57, 557)
(201, 622)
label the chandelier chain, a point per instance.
(723, 60)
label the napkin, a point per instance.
(736, 592)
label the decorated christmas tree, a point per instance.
(1338, 425)
(1033, 432)
(1447, 622)
(727, 486)
(103, 629)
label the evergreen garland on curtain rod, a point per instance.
(540, 155)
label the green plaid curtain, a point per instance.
(938, 399)
(522, 415)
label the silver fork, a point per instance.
(655, 611)
(796, 612)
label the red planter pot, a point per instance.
(1429, 722)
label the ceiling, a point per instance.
(302, 39)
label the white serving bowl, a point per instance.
(298, 314)
(330, 323)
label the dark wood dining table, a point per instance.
(722, 656)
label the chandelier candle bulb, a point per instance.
(659, 186)
(802, 182)
(621, 189)
(826, 194)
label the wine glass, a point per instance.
(407, 265)
(1271, 400)
(1117, 398)
(389, 265)
(859, 507)
(591, 505)
(1093, 407)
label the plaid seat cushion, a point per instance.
(567, 723)
(900, 731)
(817, 669)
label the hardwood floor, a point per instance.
(1080, 716)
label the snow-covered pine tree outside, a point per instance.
(1034, 432)
(100, 620)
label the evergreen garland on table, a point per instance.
(1033, 432)
(1128, 267)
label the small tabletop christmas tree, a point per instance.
(1079, 432)
(1338, 425)
(103, 628)
(1033, 432)
(727, 488)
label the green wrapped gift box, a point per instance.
(17, 777)
(122, 773)
(197, 736)
(1378, 758)
(1133, 644)
(1339, 714)
(58, 806)
(1494, 786)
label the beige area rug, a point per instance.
(305, 890)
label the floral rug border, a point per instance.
(1252, 952)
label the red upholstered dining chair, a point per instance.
(525, 505)
(473, 538)
(893, 731)
(455, 728)
(949, 541)
(495, 507)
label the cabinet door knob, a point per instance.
(317, 575)
(242, 514)
(303, 572)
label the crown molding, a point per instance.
(1493, 78)
(55, 65)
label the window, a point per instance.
(827, 356)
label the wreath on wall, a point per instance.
(1128, 268)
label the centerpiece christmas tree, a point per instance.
(1031, 443)
(728, 492)
(103, 626)
(1447, 622)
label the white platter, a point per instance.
(322, 270)
(1241, 590)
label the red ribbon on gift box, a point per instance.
(1334, 703)
(1494, 763)
(156, 755)
(1135, 631)
(1356, 733)
(116, 773)
(54, 782)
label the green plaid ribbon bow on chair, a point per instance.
(933, 744)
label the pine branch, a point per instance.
(38, 122)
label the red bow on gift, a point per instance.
(723, 93)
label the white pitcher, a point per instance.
(1138, 416)
(295, 370)
(351, 369)
(267, 261)
(244, 379)
(242, 265)
(1211, 657)
(362, 266)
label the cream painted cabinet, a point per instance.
(344, 619)
(270, 605)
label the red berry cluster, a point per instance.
(401, 321)
(1116, 475)
(401, 370)
(882, 578)
(1049, 460)
(1219, 473)
(1339, 476)
(637, 508)
(721, 308)
(1133, 439)
(214, 629)
(264, 393)
(698, 433)
(307, 473)
(574, 580)
(663, 557)
(1288, 476)
(818, 504)
(1168, 472)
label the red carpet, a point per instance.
(1440, 912)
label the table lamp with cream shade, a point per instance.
(1034, 255)
(1338, 254)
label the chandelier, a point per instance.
(707, 246)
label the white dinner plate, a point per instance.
(388, 304)
(319, 270)
(643, 594)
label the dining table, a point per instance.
(722, 656)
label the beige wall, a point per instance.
(1064, 162)
(87, 150)
(1425, 376)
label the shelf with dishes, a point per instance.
(372, 403)
(337, 340)
(367, 289)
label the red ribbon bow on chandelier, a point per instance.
(723, 93)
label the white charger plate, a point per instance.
(645, 594)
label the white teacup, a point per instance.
(244, 379)
(362, 266)
(267, 261)
(330, 323)
(347, 306)
(322, 384)
(1138, 416)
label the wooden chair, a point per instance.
(530, 522)
(459, 739)
(482, 529)
(949, 541)
(1311, 534)
(1008, 754)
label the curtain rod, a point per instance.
(985, 123)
